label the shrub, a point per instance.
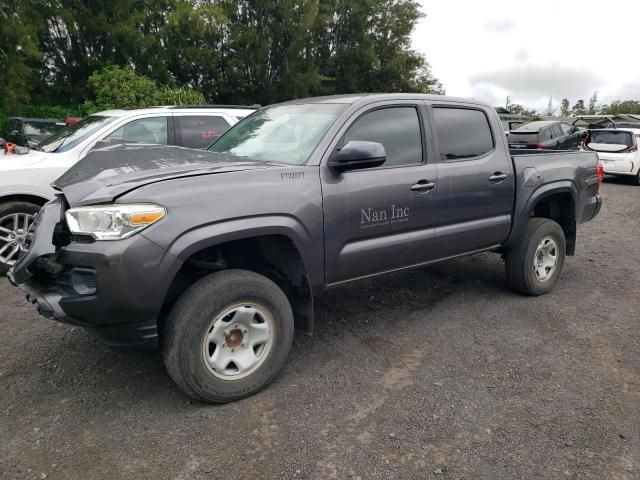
(116, 87)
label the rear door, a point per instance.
(475, 194)
(380, 219)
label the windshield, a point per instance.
(41, 129)
(280, 134)
(68, 137)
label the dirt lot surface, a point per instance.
(436, 373)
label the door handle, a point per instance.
(498, 177)
(423, 186)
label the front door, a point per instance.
(378, 219)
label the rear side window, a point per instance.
(397, 128)
(462, 133)
(566, 128)
(199, 131)
(557, 131)
(546, 134)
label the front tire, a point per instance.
(228, 336)
(534, 264)
(15, 219)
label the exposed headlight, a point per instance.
(113, 222)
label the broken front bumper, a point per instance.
(113, 289)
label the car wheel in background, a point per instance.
(15, 219)
(534, 264)
(227, 336)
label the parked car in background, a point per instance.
(546, 135)
(617, 150)
(25, 179)
(28, 132)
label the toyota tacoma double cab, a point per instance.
(214, 256)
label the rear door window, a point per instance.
(143, 130)
(462, 133)
(199, 131)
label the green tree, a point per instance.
(620, 107)
(564, 108)
(19, 53)
(593, 104)
(517, 109)
(234, 51)
(578, 108)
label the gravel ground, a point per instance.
(436, 373)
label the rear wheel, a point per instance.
(534, 264)
(636, 179)
(228, 336)
(15, 220)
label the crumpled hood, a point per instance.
(106, 173)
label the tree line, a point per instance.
(227, 51)
(591, 107)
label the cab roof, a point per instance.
(354, 98)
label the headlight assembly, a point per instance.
(113, 222)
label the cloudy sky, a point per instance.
(531, 50)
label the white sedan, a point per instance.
(25, 178)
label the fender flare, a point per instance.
(250, 227)
(521, 214)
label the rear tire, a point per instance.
(636, 180)
(11, 233)
(228, 336)
(535, 263)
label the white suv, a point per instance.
(25, 178)
(617, 150)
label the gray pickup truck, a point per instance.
(215, 255)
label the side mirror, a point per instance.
(356, 155)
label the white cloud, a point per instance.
(500, 25)
(531, 81)
(531, 52)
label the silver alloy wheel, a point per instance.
(546, 259)
(238, 341)
(13, 235)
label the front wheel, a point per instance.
(15, 220)
(534, 264)
(228, 336)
